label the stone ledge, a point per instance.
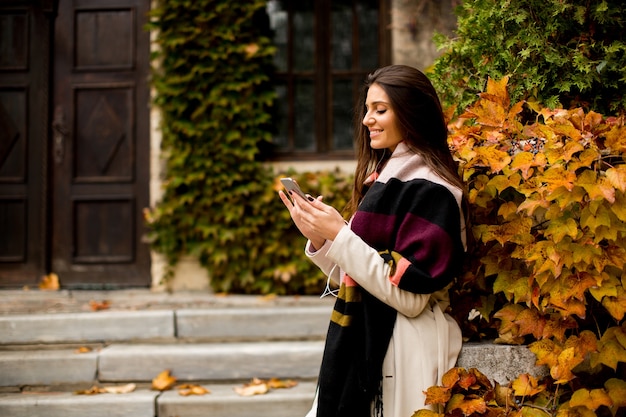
(500, 363)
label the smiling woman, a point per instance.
(389, 338)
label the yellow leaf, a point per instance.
(617, 177)
(83, 349)
(49, 282)
(163, 381)
(492, 157)
(557, 176)
(590, 399)
(616, 139)
(523, 161)
(616, 306)
(616, 389)
(547, 352)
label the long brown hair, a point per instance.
(420, 118)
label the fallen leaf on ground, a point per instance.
(99, 305)
(49, 282)
(255, 387)
(275, 383)
(83, 349)
(191, 389)
(163, 381)
(260, 386)
(122, 389)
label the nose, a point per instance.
(368, 120)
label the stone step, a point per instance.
(143, 362)
(221, 402)
(211, 324)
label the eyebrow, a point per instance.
(377, 102)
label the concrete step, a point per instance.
(209, 324)
(221, 402)
(143, 362)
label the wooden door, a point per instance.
(25, 29)
(100, 144)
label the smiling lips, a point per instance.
(375, 132)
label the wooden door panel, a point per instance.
(101, 175)
(104, 134)
(24, 54)
(102, 229)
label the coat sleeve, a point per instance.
(323, 262)
(367, 269)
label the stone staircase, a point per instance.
(218, 342)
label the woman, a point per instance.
(389, 338)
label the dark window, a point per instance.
(325, 49)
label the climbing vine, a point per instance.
(548, 195)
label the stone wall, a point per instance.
(413, 23)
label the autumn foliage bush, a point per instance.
(547, 190)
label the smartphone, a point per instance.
(291, 185)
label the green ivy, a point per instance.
(212, 76)
(569, 53)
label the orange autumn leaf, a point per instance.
(467, 406)
(164, 381)
(451, 377)
(276, 383)
(99, 305)
(191, 389)
(49, 282)
(83, 349)
(526, 385)
(530, 322)
(437, 395)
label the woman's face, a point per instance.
(381, 120)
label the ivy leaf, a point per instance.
(566, 361)
(591, 399)
(467, 406)
(616, 306)
(616, 389)
(615, 139)
(530, 322)
(526, 385)
(547, 352)
(617, 177)
(437, 395)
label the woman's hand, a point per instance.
(317, 221)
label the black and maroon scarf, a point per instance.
(415, 225)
